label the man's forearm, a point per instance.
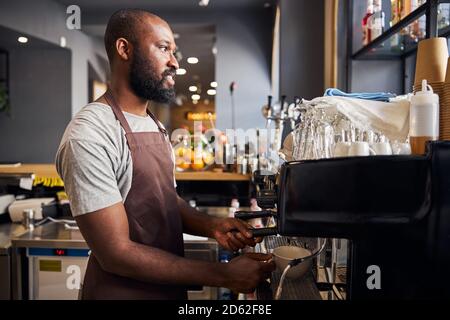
(153, 265)
(195, 222)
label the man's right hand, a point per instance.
(247, 271)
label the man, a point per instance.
(116, 163)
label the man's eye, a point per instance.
(164, 48)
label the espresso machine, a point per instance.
(393, 210)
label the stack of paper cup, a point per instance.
(444, 108)
(431, 64)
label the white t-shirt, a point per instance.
(94, 160)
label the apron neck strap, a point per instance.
(120, 116)
(117, 111)
(160, 128)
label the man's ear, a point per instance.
(123, 49)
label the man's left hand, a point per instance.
(234, 234)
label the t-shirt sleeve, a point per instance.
(87, 170)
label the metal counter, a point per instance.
(7, 231)
(50, 235)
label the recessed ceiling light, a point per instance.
(213, 84)
(22, 39)
(194, 101)
(176, 35)
(203, 3)
(195, 97)
(267, 5)
(211, 92)
(181, 71)
(192, 60)
(192, 88)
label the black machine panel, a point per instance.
(344, 194)
(394, 209)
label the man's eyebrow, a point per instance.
(164, 41)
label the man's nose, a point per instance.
(173, 62)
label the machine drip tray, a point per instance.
(299, 289)
(305, 288)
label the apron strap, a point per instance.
(123, 121)
(120, 116)
(160, 128)
(117, 111)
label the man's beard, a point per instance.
(145, 83)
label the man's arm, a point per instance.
(107, 234)
(232, 234)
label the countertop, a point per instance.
(39, 169)
(49, 171)
(7, 232)
(56, 235)
(50, 235)
(211, 176)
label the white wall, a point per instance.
(46, 19)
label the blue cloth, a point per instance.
(375, 96)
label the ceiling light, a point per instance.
(192, 88)
(195, 97)
(211, 92)
(203, 3)
(194, 101)
(176, 35)
(192, 60)
(22, 39)
(181, 71)
(213, 84)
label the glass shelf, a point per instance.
(443, 19)
(399, 40)
(398, 44)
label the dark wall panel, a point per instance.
(40, 92)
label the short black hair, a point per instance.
(124, 23)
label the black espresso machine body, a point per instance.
(395, 210)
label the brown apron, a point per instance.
(152, 212)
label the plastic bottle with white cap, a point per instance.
(423, 118)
